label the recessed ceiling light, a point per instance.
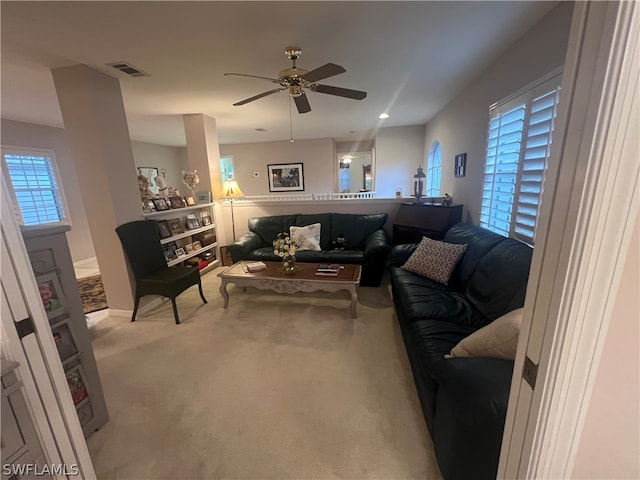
(383, 116)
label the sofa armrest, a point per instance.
(245, 245)
(401, 253)
(376, 243)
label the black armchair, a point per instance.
(141, 243)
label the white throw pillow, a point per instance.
(434, 259)
(499, 339)
(307, 238)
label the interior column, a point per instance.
(203, 154)
(96, 126)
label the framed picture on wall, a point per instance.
(460, 165)
(285, 177)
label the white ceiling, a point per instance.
(411, 57)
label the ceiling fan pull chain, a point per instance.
(290, 122)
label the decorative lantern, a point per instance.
(418, 185)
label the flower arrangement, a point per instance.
(190, 179)
(285, 248)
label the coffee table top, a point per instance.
(305, 271)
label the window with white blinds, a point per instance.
(518, 142)
(434, 170)
(35, 186)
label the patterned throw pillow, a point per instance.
(435, 260)
(307, 238)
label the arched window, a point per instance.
(434, 170)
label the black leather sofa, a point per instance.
(367, 242)
(464, 399)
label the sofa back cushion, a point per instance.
(324, 219)
(355, 227)
(499, 281)
(267, 228)
(479, 242)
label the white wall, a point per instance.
(399, 152)
(609, 446)
(462, 125)
(317, 156)
(28, 135)
(22, 134)
(172, 159)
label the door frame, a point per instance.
(589, 210)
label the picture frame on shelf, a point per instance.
(151, 206)
(175, 226)
(193, 223)
(177, 202)
(161, 204)
(188, 248)
(51, 294)
(286, 177)
(77, 385)
(64, 342)
(203, 197)
(145, 208)
(180, 252)
(206, 220)
(170, 251)
(196, 245)
(190, 201)
(165, 230)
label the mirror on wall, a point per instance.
(355, 172)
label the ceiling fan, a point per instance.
(297, 79)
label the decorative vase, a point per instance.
(289, 264)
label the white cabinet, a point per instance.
(188, 235)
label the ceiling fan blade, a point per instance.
(341, 92)
(325, 71)
(274, 80)
(302, 102)
(263, 94)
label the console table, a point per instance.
(417, 220)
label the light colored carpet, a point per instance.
(274, 387)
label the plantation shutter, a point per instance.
(518, 145)
(535, 158)
(35, 187)
(506, 125)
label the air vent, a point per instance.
(260, 129)
(129, 69)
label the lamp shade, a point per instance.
(230, 189)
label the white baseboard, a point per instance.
(85, 262)
(142, 309)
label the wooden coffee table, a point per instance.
(304, 280)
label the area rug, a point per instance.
(92, 293)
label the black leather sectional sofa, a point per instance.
(464, 399)
(366, 240)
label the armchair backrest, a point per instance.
(141, 244)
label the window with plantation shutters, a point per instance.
(518, 142)
(434, 170)
(35, 186)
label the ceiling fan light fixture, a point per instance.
(295, 90)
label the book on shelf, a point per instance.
(330, 269)
(256, 266)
